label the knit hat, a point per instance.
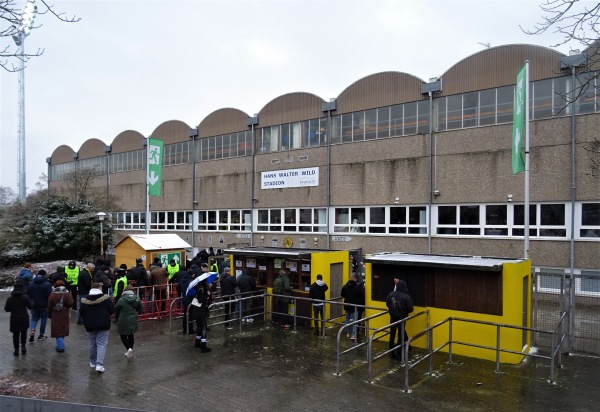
(41, 272)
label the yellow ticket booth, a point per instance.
(489, 289)
(265, 263)
(147, 247)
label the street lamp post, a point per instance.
(29, 13)
(101, 217)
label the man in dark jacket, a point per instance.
(247, 285)
(317, 291)
(182, 288)
(84, 284)
(39, 291)
(103, 276)
(400, 305)
(351, 295)
(96, 310)
(228, 285)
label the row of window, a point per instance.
(479, 108)
(547, 220)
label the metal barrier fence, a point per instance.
(555, 292)
(557, 335)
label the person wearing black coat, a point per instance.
(400, 305)
(247, 284)
(39, 291)
(228, 286)
(351, 295)
(17, 304)
(204, 298)
(182, 288)
(317, 291)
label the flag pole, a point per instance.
(147, 187)
(526, 232)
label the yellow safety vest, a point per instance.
(124, 281)
(172, 270)
(72, 275)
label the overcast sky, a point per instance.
(134, 64)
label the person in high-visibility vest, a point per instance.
(172, 269)
(72, 274)
(120, 283)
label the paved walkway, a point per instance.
(269, 369)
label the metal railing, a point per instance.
(558, 336)
(384, 331)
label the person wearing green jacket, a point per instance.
(126, 312)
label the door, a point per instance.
(335, 278)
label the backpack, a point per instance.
(396, 309)
(59, 305)
(278, 286)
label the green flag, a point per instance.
(518, 165)
(155, 153)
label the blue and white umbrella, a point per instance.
(210, 278)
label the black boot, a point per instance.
(197, 345)
(203, 348)
(16, 352)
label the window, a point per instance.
(454, 118)
(590, 220)
(381, 220)
(358, 123)
(410, 118)
(96, 165)
(128, 161)
(545, 220)
(130, 220)
(177, 153)
(470, 109)
(496, 220)
(505, 104)
(396, 120)
(371, 124)
(487, 107)
(423, 116)
(171, 220)
(383, 122)
(587, 92)
(224, 220)
(60, 171)
(542, 99)
(294, 220)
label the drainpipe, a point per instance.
(574, 60)
(107, 150)
(434, 85)
(252, 121)
(193, 134)
(328, 107)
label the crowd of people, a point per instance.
(101, 297)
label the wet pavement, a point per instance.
(268, 368)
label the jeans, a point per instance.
(350, 318)
(393, 331)
(97, 343)
(60, 343)
(39, 314)
(318, 309)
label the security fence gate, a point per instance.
(555, 292)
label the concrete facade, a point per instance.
(434, 171)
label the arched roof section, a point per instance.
(62, 154)
(127, 141)
(378, 90)
(172, 131)
(498, 66)
(223, 121)
(92, 148)
(593, 53)
(291, 107)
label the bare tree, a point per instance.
(12, 15)
(7, 196)
(577, 22)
